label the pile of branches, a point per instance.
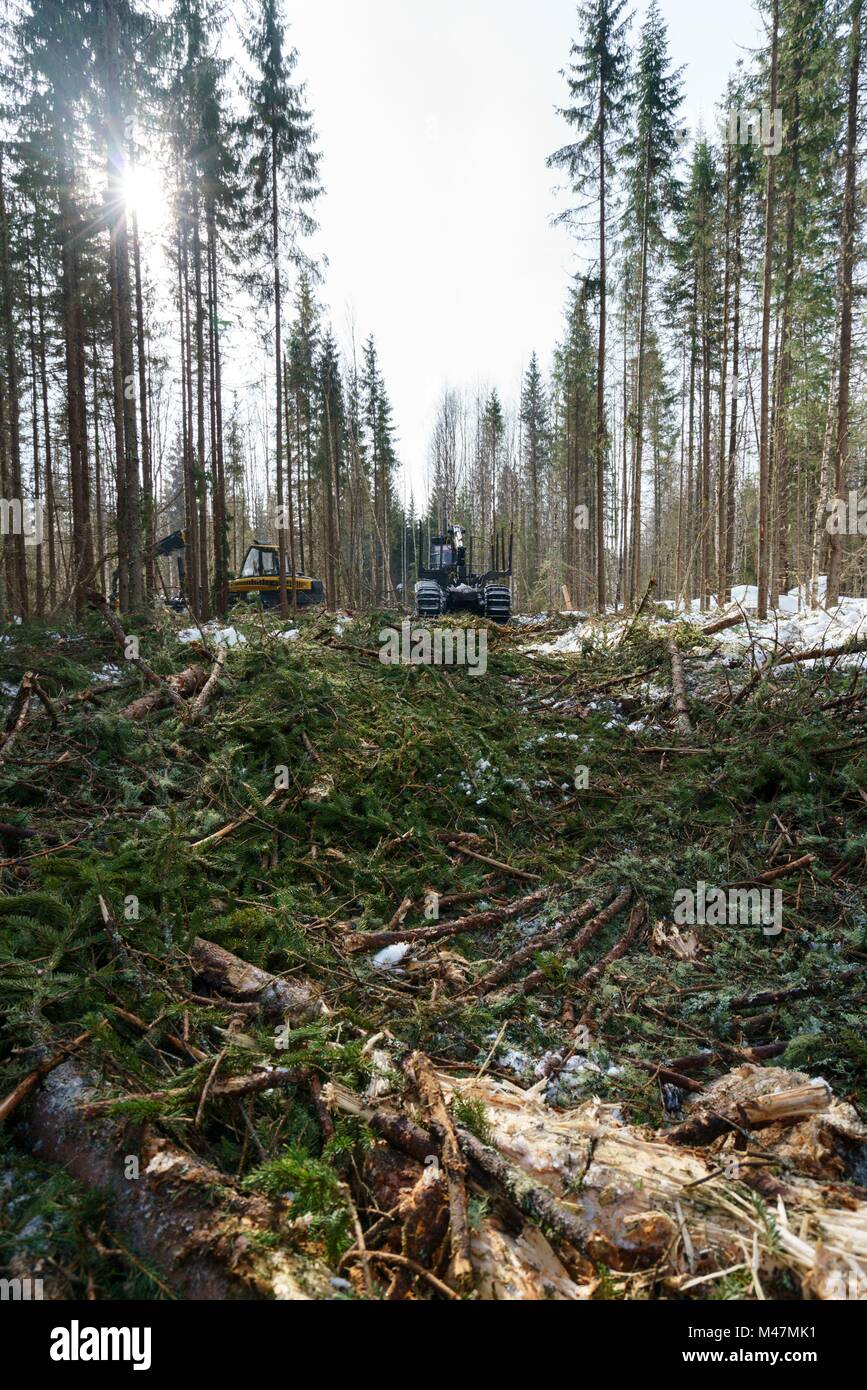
(324, 979)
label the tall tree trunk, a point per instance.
(721, 489)
(34, 432)
(46, 428)
(763, 556)
(731, 470)
(16, 553)
(635, 583)
(600, 369)
(201, 473)
(278, 367)
(147, 510)
(72, 239)
(847, 260)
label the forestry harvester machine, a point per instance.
(259, 580)
(450, 584)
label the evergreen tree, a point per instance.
(598, 86)
(283, 166)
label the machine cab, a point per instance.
(260, 561)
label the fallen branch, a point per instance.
(208, 688)
(97, 601)
(781, 871)
(17, 714)
(776, 996)
(33, 1078)
(371, 941)
(821, 653)
(235, 824)
(494, 863)
(526, 952)
(721, 624)
(591, 978)
(171, 691)
(678, 685)
(453, 1164)
(575, 947)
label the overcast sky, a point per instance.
(435, 122)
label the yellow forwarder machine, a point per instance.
(259, 577)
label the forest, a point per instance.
(518, 956)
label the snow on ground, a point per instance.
(792, 627)
(222, 636)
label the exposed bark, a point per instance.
(294, 999)
(242, 1247)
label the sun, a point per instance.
(144, 195)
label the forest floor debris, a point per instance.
(551, 1087)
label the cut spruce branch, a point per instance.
(542, 942)
(678, 685)
(29, 1083)
(17, 714)
(97, 601)
(241, 820)
(591, 978)
(240, 1246)
(577, 945)
(373, 941)
(494, 863)
(780, 871)
(295, 999)
(197, 710)
(778, 996)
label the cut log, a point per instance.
(294, 1000)
(182, 685)
(678, 685)
(240, 1247)
(621, 1196)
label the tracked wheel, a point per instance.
(498, 603)
(428, 599)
